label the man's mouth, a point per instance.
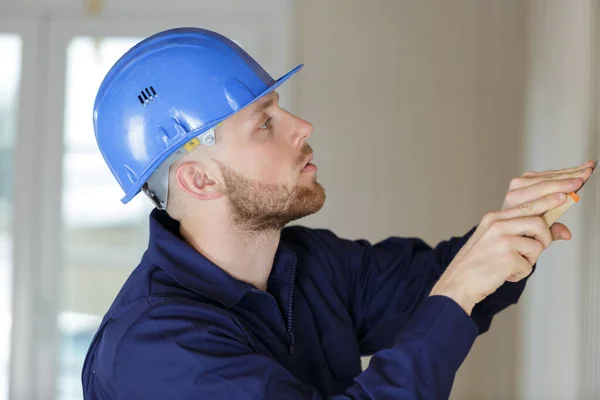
(309, 166)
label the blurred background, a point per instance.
(423, 112)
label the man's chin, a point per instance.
(311, 200)
(266, 208)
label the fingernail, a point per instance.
(560, 196)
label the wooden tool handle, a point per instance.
(553, 215)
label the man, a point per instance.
(226, 303)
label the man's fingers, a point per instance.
(527, 254)
(528, 209)
(529, 248)
(519, 183)
(532, 208)
(541, 189)
(531, 227)
(528, 251)
(560, 232)
(587, 164)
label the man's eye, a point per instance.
(266, 125)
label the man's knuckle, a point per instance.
(496, 225)
(512, 274)
(489, 218)
(526, 208)
(539, 247)
(535, 246)
(546, 242)
(515, 183)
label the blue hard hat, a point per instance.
(165, 96)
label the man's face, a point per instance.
(264, 160)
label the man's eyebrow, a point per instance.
(262, 105)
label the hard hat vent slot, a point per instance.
(147, 95)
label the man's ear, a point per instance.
(196, 181)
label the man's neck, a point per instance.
(247, 256)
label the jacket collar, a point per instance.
(191, 269)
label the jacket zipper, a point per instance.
(291, 339)
(287, 330)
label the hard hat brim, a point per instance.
(136, 188)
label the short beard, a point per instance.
(261, 207)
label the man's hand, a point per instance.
(535, 185)
(507, 244)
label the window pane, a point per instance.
(10, 74)
(104, 239)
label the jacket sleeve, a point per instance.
(385, 283)
(181, 352)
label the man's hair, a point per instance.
(176, 197)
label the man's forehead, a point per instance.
(255, 110)
(260, 105)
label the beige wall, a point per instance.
(418, 115)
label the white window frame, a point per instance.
(25, 332)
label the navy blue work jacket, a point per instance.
(182, 328)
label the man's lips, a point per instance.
(308, 166)
(308, 160)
